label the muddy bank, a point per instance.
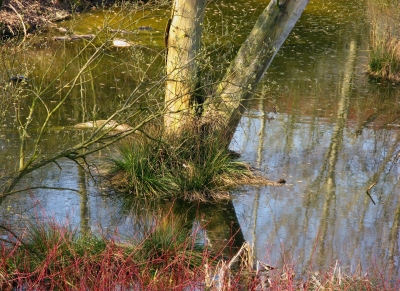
(20, 17)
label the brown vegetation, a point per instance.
(384, 62)
(21, 17)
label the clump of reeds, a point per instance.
(384, 63)
(192, 165)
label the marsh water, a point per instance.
(316, 121)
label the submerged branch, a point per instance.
(369, 195)
(38, 187)
(19, 240)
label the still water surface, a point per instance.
(317, 121)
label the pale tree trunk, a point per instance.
(183, 38)
(244, 73)
(253, 59)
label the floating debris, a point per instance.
(74, 37)
(281, 181)
(62, 29)
(121, 43)
(145, 28)
(104, 124)
(120, 31)
(17, 79)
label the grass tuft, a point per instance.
(140, 170)
(190, 165)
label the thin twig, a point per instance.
(38, 187)
(22, 22)
(369, 188)
(29, 248)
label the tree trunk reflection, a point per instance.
(327, 176)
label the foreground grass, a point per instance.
(191, 165)
(51, 257)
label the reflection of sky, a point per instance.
(341, 224)
(65, 206)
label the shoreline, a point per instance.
(19, 19)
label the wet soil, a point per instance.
(20, 17)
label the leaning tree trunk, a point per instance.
(183, 38)
(253, 59)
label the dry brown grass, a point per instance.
(385, 41)
(19, 15)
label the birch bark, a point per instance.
(183, 40)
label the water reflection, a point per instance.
(334, 220)
(325, 143)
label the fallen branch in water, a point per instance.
(37, 187)
(19, 240)
(369, 188)
(74, 37)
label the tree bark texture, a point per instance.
(183, 39)
(254, 57)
